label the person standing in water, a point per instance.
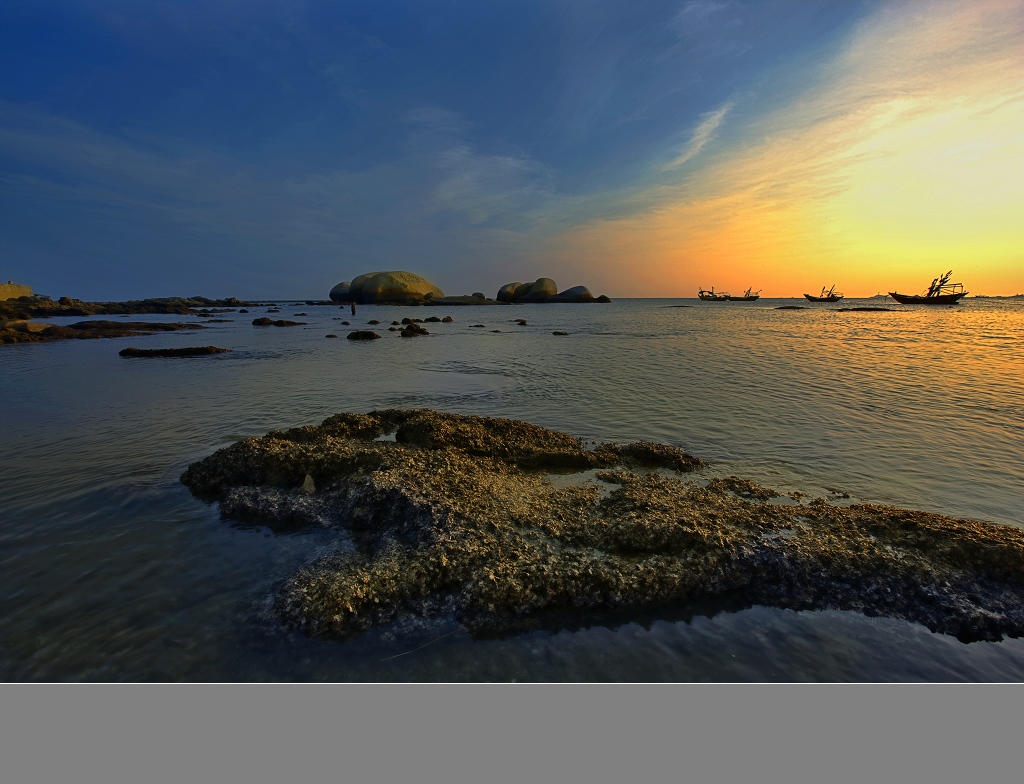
(353, 304)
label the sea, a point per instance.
(112, 571)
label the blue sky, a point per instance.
(251, 148)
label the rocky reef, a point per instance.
(508, 526)
(44, 307)
(33, 331)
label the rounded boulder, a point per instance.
(340, 292)
(575, 294)
(542, 289)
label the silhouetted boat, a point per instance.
(940, 292)
(825, 296)
(748, 296)
(711, 296)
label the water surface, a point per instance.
(112, 571)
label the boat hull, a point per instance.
(938, 299)
(832, 298)
(744, 299)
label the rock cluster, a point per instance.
(545, 290)
(458, 516)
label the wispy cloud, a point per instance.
(702, 134)
(898, 155)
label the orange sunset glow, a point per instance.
(907, 156)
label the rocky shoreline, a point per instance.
(34, 331)
(44, 307)
(459, 516)
(17, 325)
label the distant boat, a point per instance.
(826, 296)
(940, 292)
(711, 296)
(748, 296)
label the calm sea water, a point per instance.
(113, 571)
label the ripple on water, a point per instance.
(113, 571)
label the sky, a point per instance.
(644, 149)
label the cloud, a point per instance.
(176, 212)
(702, 134)
(896, 157)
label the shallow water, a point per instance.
(112, 571)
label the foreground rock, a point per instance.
(34, 332)
(456, 517)
(190, 351)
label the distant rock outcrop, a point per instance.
(386, 287)
(575, 294)
(545, 290)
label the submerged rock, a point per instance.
(189, 351)
(458, 516)
(266, 322)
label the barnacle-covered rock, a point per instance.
(457, 516)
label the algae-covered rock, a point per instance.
(460, 515)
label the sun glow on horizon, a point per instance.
(906, 157)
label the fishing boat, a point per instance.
(711, 296)
(748, 296)
(826, 296)
(940, 292)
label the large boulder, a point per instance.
(355, 288)
(340, 292)
(507, 293)
(542, 289)
(575, 294)
(395, 286)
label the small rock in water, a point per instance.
(559, 333)
(332, 336)
(363, 334)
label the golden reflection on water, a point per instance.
(113, 571)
